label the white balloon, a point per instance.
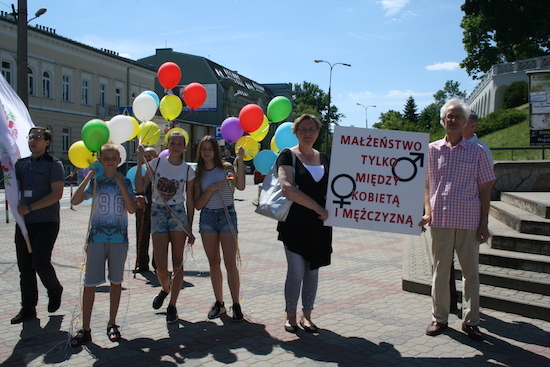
(123, 154)
(145, 107)
(121, 129)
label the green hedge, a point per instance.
(499, 120)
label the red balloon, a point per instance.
(251, 117)
(194, 95)
(169, 75)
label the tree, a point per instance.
(430, 117)
(310, 98)
(497, 31)
(451, 90)
(409, 113)
(515, 95)
(391, 120)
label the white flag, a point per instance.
(15, 123)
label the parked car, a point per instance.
(249, 167)
(258, 177)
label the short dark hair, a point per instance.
(47, 133)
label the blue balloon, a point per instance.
(264, 160)
(154, 95)
(98, 167)
(131, 174)
(284, 137)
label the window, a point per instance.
(66, 88)
(102, 92)
(85, 92)
(118, 96)
(6, 71)
(46, 85)
(66, 139)
(31, 82)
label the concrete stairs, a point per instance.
(514, 265)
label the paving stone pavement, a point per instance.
(364, 315)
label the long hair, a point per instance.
(201, 166)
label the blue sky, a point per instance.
(397, 48)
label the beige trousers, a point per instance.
(444, 242)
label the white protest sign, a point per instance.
(377, 180)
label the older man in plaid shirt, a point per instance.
(458, 193)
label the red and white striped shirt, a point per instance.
(454, 175)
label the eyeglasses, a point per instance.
(454, 117)
(35, 137)
(307, 131)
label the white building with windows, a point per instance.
(71, 83)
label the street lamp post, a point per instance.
(366, 115)
(328, 107)
(22, 48)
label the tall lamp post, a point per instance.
(22, 48)
(366, 115)
(328, 107)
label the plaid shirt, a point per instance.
(454, 174)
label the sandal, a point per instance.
(113, 333)
(81, 337)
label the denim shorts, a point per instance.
(166, 221)
(215, 220)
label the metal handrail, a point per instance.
(512, 149)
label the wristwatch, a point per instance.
(29, 207)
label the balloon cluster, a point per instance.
(122, 128)
(253, 121)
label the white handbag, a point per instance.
(273, 203)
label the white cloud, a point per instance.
(449, 65)
(393, 7)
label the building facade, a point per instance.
(487, 95)
(70, 83)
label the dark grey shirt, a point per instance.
(36, 176)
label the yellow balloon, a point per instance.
(262, 131)
(250, 146)
(149, 133)
(136, 127)
(170, 106)
(80, 156)
(185, 135)
(273, 145)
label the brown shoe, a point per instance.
(472, 331)
(435, 328)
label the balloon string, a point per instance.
(242, 297)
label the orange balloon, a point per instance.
(194, 95)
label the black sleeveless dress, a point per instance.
(303, 232)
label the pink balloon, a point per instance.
(231, 129)
(164, 153)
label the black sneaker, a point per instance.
(159, 299)
(237, 313)
(171, 314)
(24, 315)
(216, 310)
(55, 300)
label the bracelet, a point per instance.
(211, 191)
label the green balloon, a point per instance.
(95, 133)
(279, 109)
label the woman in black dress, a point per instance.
(308, 243)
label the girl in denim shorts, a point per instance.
(214, 186)
(171, 216)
